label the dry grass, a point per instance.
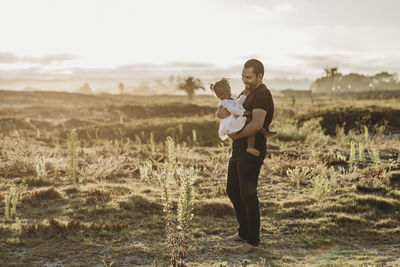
(112, 215)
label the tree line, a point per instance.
(334, 81)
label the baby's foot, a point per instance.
(269, 134)
(253, 151)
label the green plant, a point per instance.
(299, 175)
(137, 139)
(313, 133)
(152, 144)
(11, 199)
(334, 177)
(194, 137)
(40, 166)
(171, 157)
(380, 130)
(374, 154)
(146, 171)
(340, 134)
(352, 152)
(340, 157)
(215, 170)
(73, 144)
(321, 185)
(105, 260)
(172, 237)
(366, 134)
(177, 226)
(361, 151)
(103, 168)
(185, 209)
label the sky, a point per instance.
(295, 39)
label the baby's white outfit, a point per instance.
(236, 121)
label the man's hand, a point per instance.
(222, 113)
(258, 117)
(233, 136)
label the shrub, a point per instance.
(321, 185)
(73, 143)
(146, 169)
(11, 199)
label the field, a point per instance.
(329, 188)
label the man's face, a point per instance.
(250, 79)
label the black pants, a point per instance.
(243, 172)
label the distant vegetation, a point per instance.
(85, 89)
(190, 85)
(334, 81)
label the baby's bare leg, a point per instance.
(266, 133)
(250, 146)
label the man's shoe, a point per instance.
(245, 248)
(235, 237)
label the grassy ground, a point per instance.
(327, 198)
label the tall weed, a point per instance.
(73, 144)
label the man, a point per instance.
(244, 168)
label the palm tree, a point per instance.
(85, 89)
(331, 72)
(190, 85)
(121, 87)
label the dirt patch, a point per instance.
(76, 123)
(141, 204)
(381, 204)
(355, 118)
(181, 131)
(8, 125)
(395, 179)
(169, 110)
(213, 209)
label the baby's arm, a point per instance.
(241, 99)
(222, 112)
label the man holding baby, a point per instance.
(244, 168)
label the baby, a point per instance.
(237, 119)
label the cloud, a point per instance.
(11, 58)
(304, 66)
(201, 69)
(130, 71)
(284, 7)
(318, 61)
(350, 62)
(183, 64)
(25, 73)
(8, 58)
(50, 59)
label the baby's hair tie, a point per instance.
(212, 87)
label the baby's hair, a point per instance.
(221, 83)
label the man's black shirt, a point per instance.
(259, 98)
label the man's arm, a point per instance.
(256, 124)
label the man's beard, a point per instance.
(250, 86)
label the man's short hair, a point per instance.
(257, 66)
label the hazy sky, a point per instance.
(117, 38)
